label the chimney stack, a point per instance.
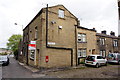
(118, 35)
(78, 22)
(112, 33)
(103, 32)
(93, 28)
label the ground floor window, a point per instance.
(103, 53)
(32, 54)
(81, 53)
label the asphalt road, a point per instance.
(14, 70)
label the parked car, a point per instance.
(95, 60)
(4, 60)
(113, 58)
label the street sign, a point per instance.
(32, 42)
(51, 43)
(32, 45)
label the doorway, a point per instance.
(93, 51)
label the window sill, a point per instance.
(82, 42)
(35, 39)
(102, 45)
(61, 18)
(81, 57)
(31, 58)
(115, 46)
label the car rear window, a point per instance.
(118, 56)
(3, 57)
(99, 57)
(110, 55)
(91, 58)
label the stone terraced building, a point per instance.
(54, 38)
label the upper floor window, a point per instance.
(115, 43)
(61, 13)
(81, 37)
(103, 53)
(102, 41)
(81, 52)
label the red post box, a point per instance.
(46, 59)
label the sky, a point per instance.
(98, 14)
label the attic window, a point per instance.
(61, 13)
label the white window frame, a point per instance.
(102, 41)
(103, 53)
(115, 43)
(82, 53)
(81, 37)
(32, 54)
(61, 13)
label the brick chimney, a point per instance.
(103, 32)
(93, 28)
(118, 35)
(78, 22)
(112, 33)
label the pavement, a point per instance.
(35, 70)
(81, 71)
(32, 69)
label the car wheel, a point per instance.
(97, 65)
(119, 62)
(86, 65)
(106, 64)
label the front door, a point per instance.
(93, 51)
(37, 57)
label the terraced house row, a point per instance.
(54, 38)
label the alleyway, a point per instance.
(14, 70)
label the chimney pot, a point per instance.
(112, 33)
(93, 28)
(103, 32)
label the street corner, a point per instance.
(32, 69)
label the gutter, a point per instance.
(27, 48)
(76, 43)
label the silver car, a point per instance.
(95, 60)
(114, 58)
(4, 60)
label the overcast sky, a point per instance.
(100, 14)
